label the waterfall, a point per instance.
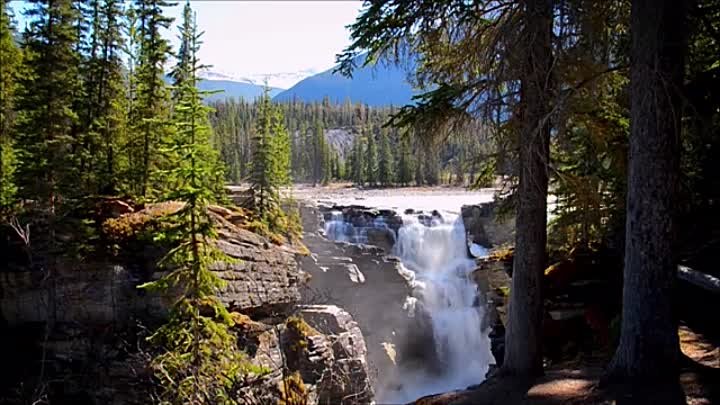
(437, 256)
(434, 259)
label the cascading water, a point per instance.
(434, 259)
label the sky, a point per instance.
(283, 41)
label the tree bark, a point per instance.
(649, 347)
(523, 346)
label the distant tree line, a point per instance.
(370, 153)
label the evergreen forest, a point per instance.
(153, 249)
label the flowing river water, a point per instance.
(434, 259)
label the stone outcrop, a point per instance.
(484, 227)
(493, 282)
(327, 350)
(82, 317)
(263, 276)
(348, 380)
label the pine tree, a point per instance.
(270, 166)
(386, 174)
(371, 160)
(341, 168)
(151, 104)
(199, 361)
(264, 188)
(319, 162)
(356, 166)
(326, 163)
(104, 116)
(405, 166)
(649, 348)
(10, 59)
(280, 148)
(180, 72)
(47, 140)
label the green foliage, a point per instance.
(405, 163)
(270, 162)
(10, 59)
(318, 160)
(386, 166)
(370, 167)
(270, 171)
(180, 72)
(151, 106)
(102, 110)
(356, 164)
(320, 155)
(198, 360)
(47, 140)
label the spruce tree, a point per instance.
(280, 148)
(103, 116)
(356, 167)
(180, 72)
(151, 104)
(47, 139)
(371, 160)
(264, 188)
(198, 361)
(320, 158)
(10, 59)
(386, 174)
(405, 166)
(270, 165)
(327, 163)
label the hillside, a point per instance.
(233, 89)
(381, 85)
(227, 88)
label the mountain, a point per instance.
(380, 85)
(229, 87)
(232, 89)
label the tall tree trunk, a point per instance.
(523, 348)
(649, 345)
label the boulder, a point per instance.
(484, 227)
(349, 379)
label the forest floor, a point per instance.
(578, 382)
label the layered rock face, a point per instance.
(322, 345)
(77, 324)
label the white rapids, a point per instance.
(435, 261)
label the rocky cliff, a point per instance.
(73, 331)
